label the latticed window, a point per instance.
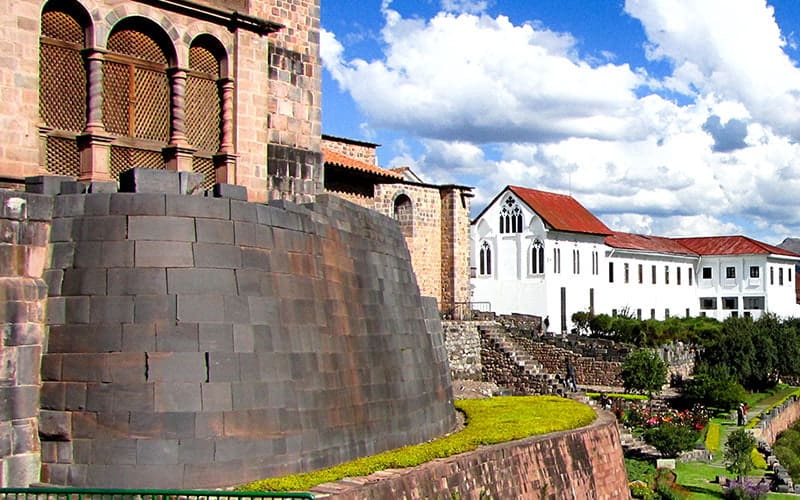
(62, 84)
(136, 100)
(510, 217)
(204, 104)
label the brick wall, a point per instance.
(24, 228)
(778, 420)
(425, 244)
(361, 151)
(584, 463)
(294, 100)
(455, 247)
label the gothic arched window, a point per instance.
(537, 257)
(510, 217)
(485, 258)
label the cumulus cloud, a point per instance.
(489, 103)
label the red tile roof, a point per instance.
(646, 243)
(731, 245)
(560, 211)
(341, 160)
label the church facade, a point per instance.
(542, 253)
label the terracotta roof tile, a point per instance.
(647, 243)
(561, 212)
(731, 245)
(341, 160)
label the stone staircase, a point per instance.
(529, 375)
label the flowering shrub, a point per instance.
(746, 489)
(642, 417)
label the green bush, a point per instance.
(643, 371)
(714, 386)
(640, 470)
(758, 460)
(489, 421)
(738, 452)
(670, 439)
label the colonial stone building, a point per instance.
(228, 88)
(433, 218)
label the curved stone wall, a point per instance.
(201, 342)
(585, 463)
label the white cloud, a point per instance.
(491, 103)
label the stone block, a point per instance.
(99, 397)
(19, 402)
(197, 206)
(115, 451)
(55, 425)
(84, 424)
(64, 229)
(84, 187)
(164, 254)
(230, 191)
(191, 183)
(102, 228)
(22, 469)
(33, 233)
(137, 204)
(195, 451)
(263, 310)
(77, 309)
(243, 338)
(25, 437)
(216, 397)
(111, 309)
(127, 367)
(161, 228)
(264, 237)
(84, 368)
(215, 231)
(208, 425)
(46, 184)
(217, 255)
(86, 281)
(22, 334)
(256, 258)
(133, 397)
(201, 281)
(183, 397)
(137, 281)
(244, 211)
(176, 367)
(82, 454)
(62, 255)
(68, 205)
(85, 338)
(97, 204)
(223, 367)
(244, 233)
(177, 337)
(56, 313)
(163, 425)
(665, 463)
(148, 180)
(236, 309)
(53, 397)
(150, 308)
(157, 451)
(200, 308)
(138, 337)
(216, 337)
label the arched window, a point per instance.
(537, 257)
(404, 214)
(510, 217)
(136, 100)
(204, 103)
(62, 83)
(485, 258)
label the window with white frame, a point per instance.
(666, 275)
(610, 272)
(756, 303)
(780, 276)
(690, 273)
(730, 303)
(556, 260)
(771, 275)
(641, 274)
(708, 303)
(595, 263)
(576, 261)
(730, 273)
(706, 273)
(678, 276)
(537, 257)
(755, 272)
(485, 259)
(653, 274)
(627, 272)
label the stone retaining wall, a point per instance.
(585, 463)
(778, 420)
(199, 342)
(24, 230)
(463, 342)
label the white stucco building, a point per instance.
(543, 253)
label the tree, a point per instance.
(643, 371)
(670, 439)
(713, 386)
(738, 449)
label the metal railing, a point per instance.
(134, 494)
(465, 311)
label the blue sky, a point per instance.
(666, 117)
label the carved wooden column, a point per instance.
(94, 143)
(225, 159)
(178, 153)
